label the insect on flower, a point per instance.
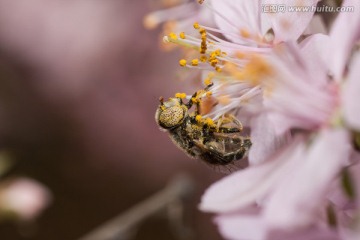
(218, 143)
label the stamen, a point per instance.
(173, 36)
(180, 95)
(203, 58)
(196, 25)
(182, 35)
(195, 62)
(182, 62)
(207, 81)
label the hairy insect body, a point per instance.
(208, 145)
(216, 143)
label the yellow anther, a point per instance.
(196, 25)
(212, 56)
(182, 62)
(180, 95)
(163, 107)
(203, 58)
(214, 62)
(207, 81)
(203, 44)
(217, 52)
(208, 93)
(218, 69)
(173, 36)
(202, 31)
(195, 62)
(182, 35)
(201, 1)
(198, 118)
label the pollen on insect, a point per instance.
(195, 100)
(180, 95)
(198, 118)
(209, 122)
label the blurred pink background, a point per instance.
(80, 82)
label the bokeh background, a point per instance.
(79, 86)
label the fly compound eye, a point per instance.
(171, 117)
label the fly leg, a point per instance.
(194, 99)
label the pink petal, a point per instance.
(289, 25)
(312, 233)
(240, 227)
(243, 188)
(344, 33)
(264, 139)
(350, 94)
(354, 232)
(301, 194)
(295, 97)
(250, 225)
(315, 50)
(233, 16)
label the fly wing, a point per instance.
(223, 149)
(230, 142)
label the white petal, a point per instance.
(265, 140)
(301, 194)
(234, 16)
(295, 97)
(287, 24)
(315, 50)
(344, 33)
(350, 94)
(240, 227)
(243, 188)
